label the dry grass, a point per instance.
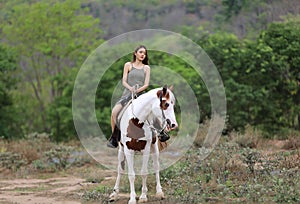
(31, 148)
(292, 143)
(201, 134)
(250, 138)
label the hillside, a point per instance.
(244, 18)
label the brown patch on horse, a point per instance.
(160, 93)
(167, 96)
(135, 129)
(153, 137)
(164, 96)
(136, 145)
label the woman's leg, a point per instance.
(113, 140)
(114, 113)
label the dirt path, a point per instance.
(59, 190)
(55, 190)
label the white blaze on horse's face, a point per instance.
(167, 103)
(170, 115)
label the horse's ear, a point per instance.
(171, 88)
(165, 89)
(159, 94)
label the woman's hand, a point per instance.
(132, 89)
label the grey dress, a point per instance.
(135, 76)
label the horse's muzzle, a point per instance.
(171, 125)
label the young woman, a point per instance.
(136, 77)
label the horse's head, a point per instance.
(166, 104)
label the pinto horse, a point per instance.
(139, 134)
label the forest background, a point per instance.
(255, 46)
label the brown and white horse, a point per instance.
(139, 134)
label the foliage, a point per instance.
(260, 77)
(99, 194)
(12, 161)
(59, 112)
(232, 7)
(241, 17)
(283, 38)
(51, 38)
(250, 157)
(60, 156)
(42, 156)
(8, 111)
(247, 18)
(223, 177)
(226, 52)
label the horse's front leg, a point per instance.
(144, 172)
(129, 154)
(121, 160)
(155, 157)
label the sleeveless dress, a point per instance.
(135, 76)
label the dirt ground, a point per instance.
(66, 187)
(56, 189)
(53, 190)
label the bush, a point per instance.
(248, 138)
(292, 143)
(60, 156)
(10, 160)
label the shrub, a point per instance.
(10, 160)
(292, 143)
(60, 156)
(248, 139)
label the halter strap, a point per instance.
(164, 118)
(162, 112)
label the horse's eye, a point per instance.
(167, 105)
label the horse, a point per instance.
(139, 130)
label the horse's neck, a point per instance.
(141, 107)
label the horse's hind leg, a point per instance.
(155, 157)
(121, 159)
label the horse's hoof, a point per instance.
(143, 200)
(132, 202)
(160, 195)
(113, 197)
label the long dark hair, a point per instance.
(146, 60)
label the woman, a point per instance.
(136, 77)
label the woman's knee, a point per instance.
(116, 110)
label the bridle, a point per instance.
(165, 121)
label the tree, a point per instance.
(232, 7)
(8, 114)
(284, 40)
(59, 112)
(51, 38)
(226, 52)
(261, 77)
